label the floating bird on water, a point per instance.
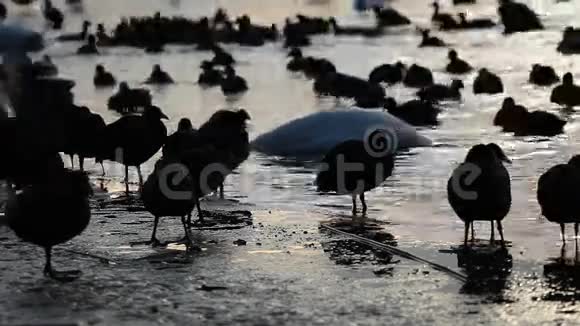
(457, 65)
(128, 100)
(90, 47)
(374, 165)
(517, 17)
(388, 73)
(414, 112)
(558, 197)
(297, 63)
(159, 76)
(390, 17)
(52, 14)
(232, 83)
(566, 94)
(487, 83)
(543, 75)
(477, 23)
(134, 139)
(103, 78)
(443, 20)
(438, 92)
(81, 36)
(418, 76)
(517, 119)
(52, 212)
(428, 40)
(221, 57)
(209, 76)
(479, 189)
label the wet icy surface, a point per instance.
(284, 275)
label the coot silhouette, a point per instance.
(388, 73)
(84, 130)
(414, 112)
(81, 36)
(168, 192)
(221, 57)
(159, 76)
(543, 75)
(232, 83)
(418, 76)
(517, 119)
(90, 47)
(357, 166)
(128, 100)
(443, 20)
(566, 94)
(343, 85)
(134, 139)
(428, 40)
(570, 43)
(209, 76)
(517, 17)
(457, 65)
(51, 212)
(438, 92)
(297, 63)
(476, 23)
(558, 197)
(479, 189)
(103, 78)
(52, 14)
(390, 17)
(487, 83)
(184, 138)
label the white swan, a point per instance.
(314, 135)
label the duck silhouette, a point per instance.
(128, 100)
(81, 36)
(232, 83)
(543, 75)
(479, 189)
(517, 17)
(428, 40)
(64, 198)
(567, 94)
(52, 14)
(159, 76)
(457, 65)
(390, 17)
(134, 139)
(418, 77)
(517, 119)
(415, 112)
(375, 165)
(570, 43)
(168, 192)
(487, 83)
(438, 92)
(388, 73)
(445, 21)
(557, 196)
(90, 47)
(209, 76)
(103, 78)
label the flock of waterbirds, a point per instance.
(478, 189)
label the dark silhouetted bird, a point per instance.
(444, 20)
(479, 189)
(84, 130)
(52, 212)
(181, 140)
(414, 112)
(90, 47)
(457, 65)
(390, 17)
(428, 40)
(517, 119)
(158, 76)
(388, 73)
(81, 36)
(374, 158)
(134, 139)
(418, 77)
(438, 92)
(232, 83)
(517, 17)
(209, 76)
(103, 78)
(128, 100)
(558, 197)
(487, 83)
(567, 94)
(543, 75)
(477, 23)
(52, 14)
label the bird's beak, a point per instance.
(506, 160)
(163, 116)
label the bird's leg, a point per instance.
(354, 205)
(198, 205)
(221, 190)
(82, 163)
(466, 233)
(563, 233)
(472, 224)
(64, 276)
(500, 230)
(187, 238)
(72, 161)
(364, 203)
(492, 237)
(576, 231)
(127, 179)
(189, 219)
(140, 176)
(103, 168)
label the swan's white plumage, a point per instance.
(314, 135)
